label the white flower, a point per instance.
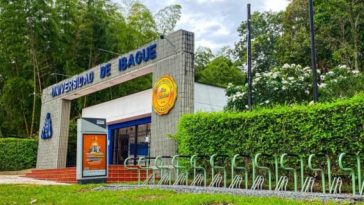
(291, 78)
(355, 72)
(284, 82)
(266, 102)
(284, 88)
(307, 92)
(322, 85)
(343, 67)
(275, 75)
(286, 66)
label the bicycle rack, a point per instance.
(335, 188)
(181, 178)
(216, 180)
(282, 184)
(236, 180)
(360, 182)
(328, 164)
(294, 170)
(258, 183)
(126, 165)
(198, 178)
(308, 184)
(177, 170)
(348, 169)
(269, 171)
(165, 170)
(147, 168)
(214, 168)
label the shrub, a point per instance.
(328, 128)
(17, 154)
(291, 84)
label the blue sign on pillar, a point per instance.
(47, 128)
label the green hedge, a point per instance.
(328, 128)
(17, 154)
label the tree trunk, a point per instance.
(356, 42)
(354, 32)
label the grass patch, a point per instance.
(83, 194)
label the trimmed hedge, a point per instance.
(17, 154)
(328, 128)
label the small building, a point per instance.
(129, 119)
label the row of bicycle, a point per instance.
(194, 171)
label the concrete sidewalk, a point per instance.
(14, 179)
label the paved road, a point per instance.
(14, 179)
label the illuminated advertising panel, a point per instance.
(94, 150)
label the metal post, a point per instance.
(313, 54)
(249, 62)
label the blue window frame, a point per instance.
(112, 127)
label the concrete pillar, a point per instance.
(181, 67)
(52, 153)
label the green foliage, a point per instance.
(266, 30)
(328, 128)
(41, 38)
(291, 84)
(16, 101)
(167, 18)
(203, 56)
(284, 37)
(17, 154)
(220, 72)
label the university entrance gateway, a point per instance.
(168, 58)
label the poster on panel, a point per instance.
(94, 149)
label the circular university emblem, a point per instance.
(164, 94)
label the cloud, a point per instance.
(214, 22)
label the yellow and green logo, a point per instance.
(164, 95)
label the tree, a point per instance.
(294, 46)
(340, 24)
(291, 84)
(220, 72)
(266, 28)
(38, 38)
(167, 18)
(142, 25)
(203, 56)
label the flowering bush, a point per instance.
(291, 84)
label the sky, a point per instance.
(214, 22)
